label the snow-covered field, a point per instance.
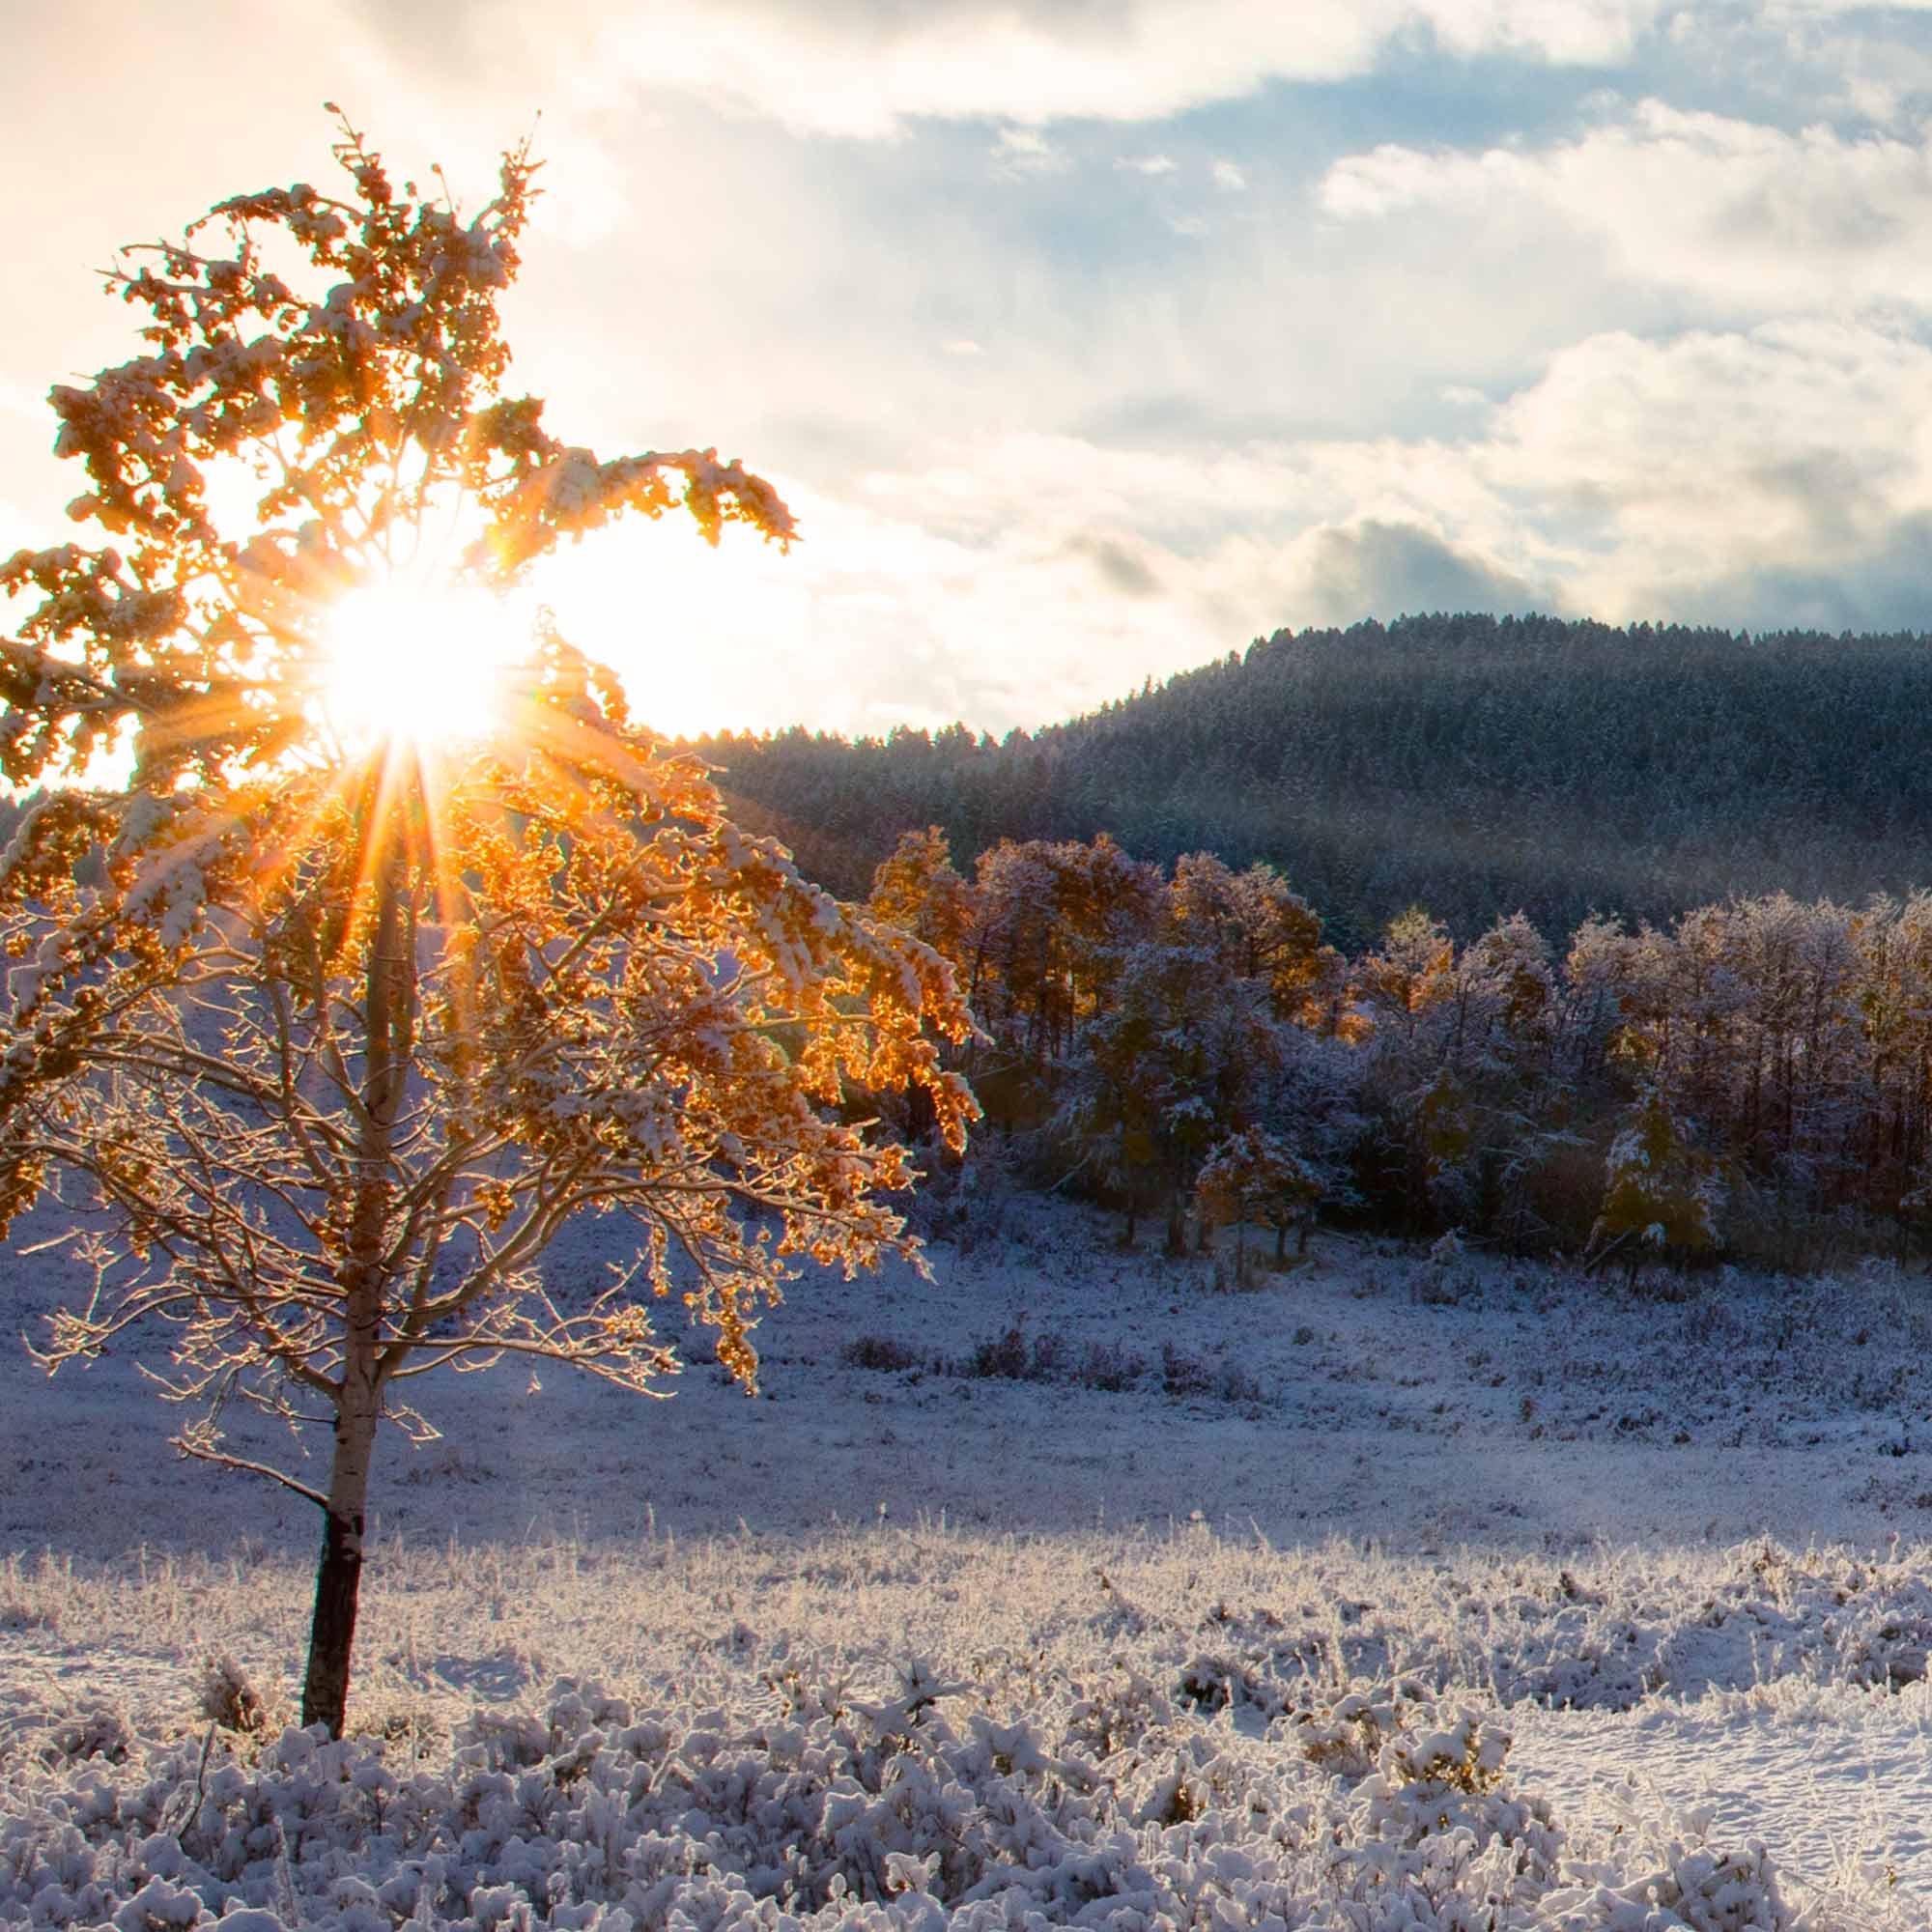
(1076, 1645)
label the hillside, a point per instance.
(1475, 765)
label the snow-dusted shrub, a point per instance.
(228, 1696)
(1449, 1779)
(1109, 1367)
(1014, 1355)
(1681, 1883)
(913, 1808)
(1347, 1737)
(56, 1737)
(1187, 1378)
(883, 1354)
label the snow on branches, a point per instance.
(333, 1040)
(334, 361)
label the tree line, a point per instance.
(1476, 764)
(1755, 1076)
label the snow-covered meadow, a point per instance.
(1218, 1611)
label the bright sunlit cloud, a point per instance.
(866, 67)
(1090, 339)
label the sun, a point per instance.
(416, 663)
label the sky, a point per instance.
(1092, 340)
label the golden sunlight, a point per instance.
(404, 660)
(698, 645)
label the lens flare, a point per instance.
(429, 667)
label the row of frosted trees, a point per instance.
(1758, 1076)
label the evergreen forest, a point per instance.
(1474, 766)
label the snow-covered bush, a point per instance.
(228, 1696)
(910, 1808)
(1678, 1882)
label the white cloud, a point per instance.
(1018, 577)
(1669, 467)
(1026, 150)
(1149, 165)
(1744, 215)
(1043, 525)
(866, 67)
(998, 623)
(1798, 10)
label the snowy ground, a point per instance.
(1679, 1546)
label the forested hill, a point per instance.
(1471, 764)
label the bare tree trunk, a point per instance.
(1176, 1223)
(338, 1575)
(388, 1019)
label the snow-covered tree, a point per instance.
(1466, 1069)
(1054, 921)
(1511, 965)
(1595, 969)
(918, 890)
(1256, 1176)
(1175, 1058)
(1768, 1022)
(1261, 928)
(1894, 998)
(1415, 1008)
(335, 999)
(1409, 976)
(1661, 1190)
